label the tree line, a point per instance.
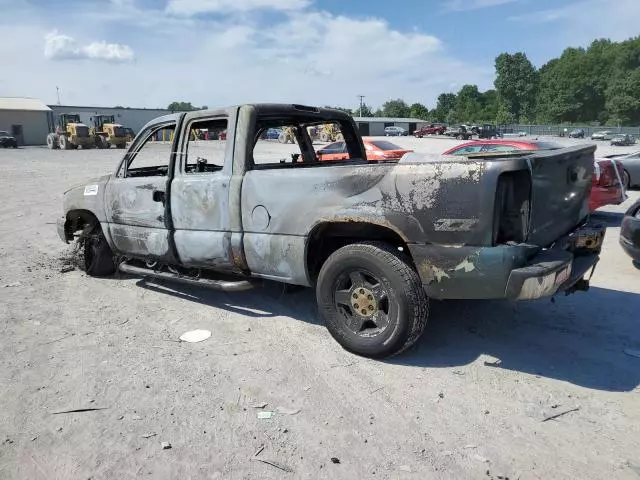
(597, 85)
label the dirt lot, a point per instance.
(69, 341)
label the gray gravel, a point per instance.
(439, 411)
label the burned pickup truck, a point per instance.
(375, 239)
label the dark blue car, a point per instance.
(272, 134)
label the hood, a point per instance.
(96, 180)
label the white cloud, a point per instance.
(584, 21)
(63, 47)
(464, 5)
(307, 56)
(195, 7)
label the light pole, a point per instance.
(361, 97)
(58, 94)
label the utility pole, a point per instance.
(361, 97)
(58, 94)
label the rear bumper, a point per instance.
(516, 272)
(549, 272)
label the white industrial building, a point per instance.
(374, 126)
(27, 119)
(134, 118)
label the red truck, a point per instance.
(429, 130)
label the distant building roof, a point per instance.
(72, 107)
(17, 103)
(389, 120)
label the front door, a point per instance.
(135, 199)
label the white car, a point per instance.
(604, 135)
(395, 132)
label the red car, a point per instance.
(609, 176)
(430, 130)
(376, 150)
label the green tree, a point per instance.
(516, 83)
(418, 110)
(489, 103)
(366, 110)
(181, 107)
(623, 99)
(468, 105)
(445, 108)
(395, 108)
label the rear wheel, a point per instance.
(98, 256)
(626, 180)
(372, 300)
(52, 141)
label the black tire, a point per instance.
(381, 278)
(98, 256)
(628, 182)
(64, 142)
(52, 141)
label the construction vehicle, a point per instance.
(106, 132)
(287, 135)
(70, 133)
(330, 132)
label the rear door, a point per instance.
(561, 184)
(200, 206)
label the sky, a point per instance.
(148, 53)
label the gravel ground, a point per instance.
(442, 410)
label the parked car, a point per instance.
(604, 135)
(7, 140)
(395, 132)
(630, 233)
(631, 165)
(272, 134)
(432, 129)
(376, 150)
(460, 132)
(608, 181)
(623, 140)
(576, 133)
(375, 240)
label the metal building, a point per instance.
(134, 118)
(374, 126)
(27, 119)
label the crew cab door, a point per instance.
(135, 199)
(200, 208)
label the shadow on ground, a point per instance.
(579, 339)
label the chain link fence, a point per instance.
(558, 130)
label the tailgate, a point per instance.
(561, 184)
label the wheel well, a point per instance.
(326, 238)
(77, 220)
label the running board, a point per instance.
(224, 285)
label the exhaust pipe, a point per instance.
(224, 285)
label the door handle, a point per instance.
(159, 196)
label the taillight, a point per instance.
(608, 175)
